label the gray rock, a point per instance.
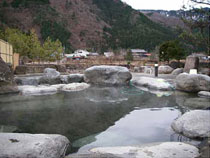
(205, 148)
(32, 80)
(51, 73)
(205, 71)
(177, 71)
(37, 90)
(75, 87)
(193, 124)
(51, 76)
(192, 82)
(15, 145)
(7, 84)
(161, 150)
(204, 94)
(72, 78)
(192, 62)
(165, 69)
(107, 75)
(75, 78)
(197, 103)
(152, 83)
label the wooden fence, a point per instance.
(6, 53)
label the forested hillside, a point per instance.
(96, 25)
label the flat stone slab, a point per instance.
(52, 89)
(161, 150)
(75, 87)
(37, 90)
(193, 124)
(16, 145)
(153, 83)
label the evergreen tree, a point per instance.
(35, 46)
(171, 50)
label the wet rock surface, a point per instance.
(161, 150)
(193, 124)
(152, 83)
(16, 145)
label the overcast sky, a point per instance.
(157, 4)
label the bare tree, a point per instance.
(206, 2)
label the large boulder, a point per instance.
(152, 83)
(192, 62)
(15, 145)
(177, 71)
(107, 75)
(50, 76)
(7, 84)
(192, 82)
(165, 69)
(161, 150)
(193, 124)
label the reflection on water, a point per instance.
(94, 117)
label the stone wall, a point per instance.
(29, 69)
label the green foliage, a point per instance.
(26, 3)
(129, 56)
(171, 50)
(52, 50)
(18, 40)
(130, 29)
(29, 45)
(34, 45)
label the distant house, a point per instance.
(82, 52)
(140, 53)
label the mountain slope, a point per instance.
(85, 24)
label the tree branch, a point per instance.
(201, 2)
